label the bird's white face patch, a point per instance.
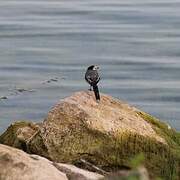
(95, 67)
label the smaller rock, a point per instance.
(75, 173)
(18, 165)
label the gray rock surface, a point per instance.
(75, 173)
(18, 165)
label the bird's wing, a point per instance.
(92, 76)
(88, 78)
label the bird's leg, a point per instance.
(90, 89)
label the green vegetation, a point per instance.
(15, 137)
(112, 153)
(137, 161)
(171, 136)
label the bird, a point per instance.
(92, 77)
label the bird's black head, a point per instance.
(93, 67)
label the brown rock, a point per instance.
(17, 165)
(110, 116)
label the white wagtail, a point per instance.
(92, 77)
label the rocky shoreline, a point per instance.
(100, 137)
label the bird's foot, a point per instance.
(98, 100)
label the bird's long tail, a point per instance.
(96, 92)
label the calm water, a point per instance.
(46, 45)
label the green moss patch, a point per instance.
(15, 136)
(171, 136)
(111, 154)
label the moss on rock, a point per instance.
(172, 138)
(18, 134)
(112, 154)
(36, 145)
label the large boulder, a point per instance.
(107, 134)
(18, 165)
